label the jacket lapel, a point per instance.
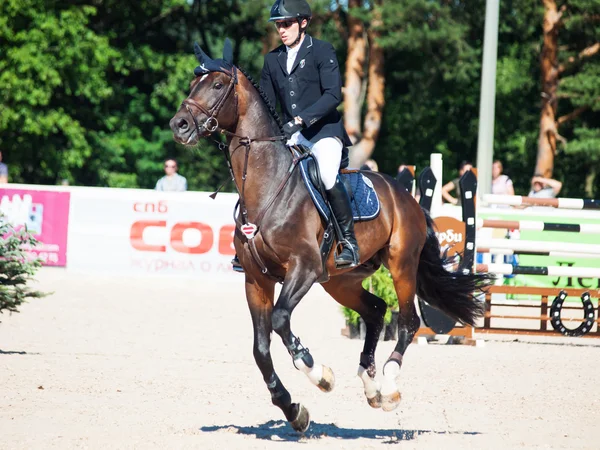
(306, 47)
(282, 59)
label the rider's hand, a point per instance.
(291, 127)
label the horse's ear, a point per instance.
(200, 55)
(228, 51)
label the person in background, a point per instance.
(370, 164)
(544, 187)
(3, 171)
(501, 184)
(172, 181)
(454, 184)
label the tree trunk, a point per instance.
(355, 72)
(375, 97)
(549, 68)
(271, 39)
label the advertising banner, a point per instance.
(144, 232)
(46, 216)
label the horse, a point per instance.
(278, 233)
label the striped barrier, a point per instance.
(563, 203)
(535, 246)
(553, 271)
(550, 307)
(554, 254)
(532, 225)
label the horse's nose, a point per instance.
(182, 125)
(179, 125)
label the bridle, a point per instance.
(211, 125)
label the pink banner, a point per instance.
(46, 215)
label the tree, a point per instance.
(364, 72)
(569, 73)
(16, 269)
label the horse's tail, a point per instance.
(451, 292)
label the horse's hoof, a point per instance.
(302, 420)
(327, 382)
(375, 402)
(391, 401)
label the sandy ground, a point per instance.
(167, 363)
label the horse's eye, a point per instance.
(218, 86)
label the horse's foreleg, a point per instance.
(348, 291)
(297, 283)
(260, 301)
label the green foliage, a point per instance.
(16, 269)
(380, 284)
(89, 89)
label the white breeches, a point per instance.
(328, 152)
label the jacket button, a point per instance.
(294, 106)
(291, 79)
(292, 93)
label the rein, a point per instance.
(250, 230)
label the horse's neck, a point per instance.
(268, 162)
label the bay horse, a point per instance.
(282, 242)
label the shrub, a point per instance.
(16, 267)
(382, 285)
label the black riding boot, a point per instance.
(340, 203)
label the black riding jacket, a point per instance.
(313, 89)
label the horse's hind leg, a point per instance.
(348, 291)
(403, 269)
(260, 302)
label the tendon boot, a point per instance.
(236, 265)
(342, 210)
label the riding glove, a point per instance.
(290, 128)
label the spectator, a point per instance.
(454, 184)
(3, 171)
(370, 164)
(172, 181)
(501, 184)
(544, 187)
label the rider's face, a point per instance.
(288, 30)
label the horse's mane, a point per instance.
(265, 99)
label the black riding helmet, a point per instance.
(291, 9)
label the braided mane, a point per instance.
(265, 99)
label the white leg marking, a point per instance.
(314, 373)
(390, 371)
(372, 386)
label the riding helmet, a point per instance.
(290, 9)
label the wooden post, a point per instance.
(544, 311)
(488, 310)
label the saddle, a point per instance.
(363, 199)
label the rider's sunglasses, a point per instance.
(285, 24)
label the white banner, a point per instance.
(144, 232)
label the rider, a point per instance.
(304, 77)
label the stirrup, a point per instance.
(345, 265)
(236, 266)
